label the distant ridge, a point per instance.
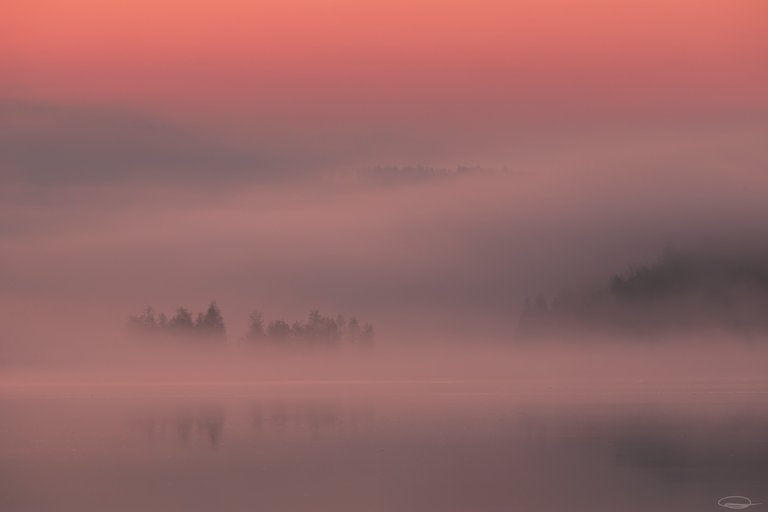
(682, 291)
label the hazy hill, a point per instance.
(681, 291)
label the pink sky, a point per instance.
(356, 59)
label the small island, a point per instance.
(209, 326)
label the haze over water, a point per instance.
(400, 449)
(454, 429)
(383, 256)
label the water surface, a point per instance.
(436, 446)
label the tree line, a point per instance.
(317, 328)
(209, 325)
(680, 291)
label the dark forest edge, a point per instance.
(209, 326)
(681, 292)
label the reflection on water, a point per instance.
(281, 419)
(90, 454)
(731, 451)
(679, 451)
(186, 425)
(190, 426)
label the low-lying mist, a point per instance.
(567, 367)
(445, 261)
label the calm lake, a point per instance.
(381, 446)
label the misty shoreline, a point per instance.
(548, 364)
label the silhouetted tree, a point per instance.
(211, 324)
(322, 328)
(182, 321)
(278, 330)
(298, 330)
(256, 327)
(144, 323)
(353, 330)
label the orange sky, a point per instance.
(362, 57)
